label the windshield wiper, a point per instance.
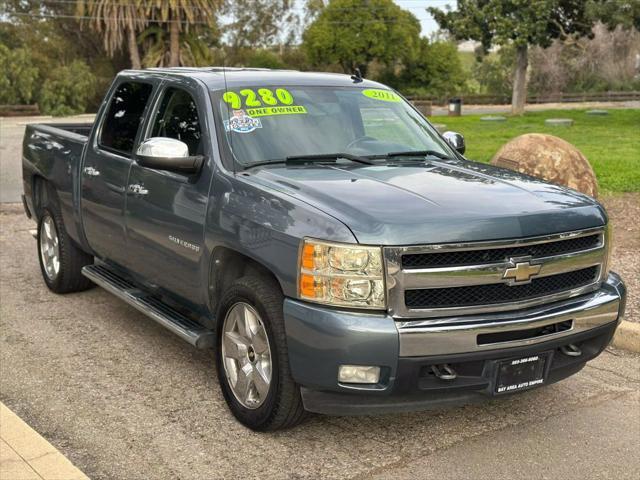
(413, 153)
(298, 159)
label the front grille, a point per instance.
(494, 255)
(499, 292)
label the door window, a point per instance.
(177, 117)
(124, 116)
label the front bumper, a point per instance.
(321, 339)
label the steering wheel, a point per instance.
(358, 141)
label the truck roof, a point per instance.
(214, 77)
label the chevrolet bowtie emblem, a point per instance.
(521, 271)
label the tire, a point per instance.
(53, 239)
(282, 406)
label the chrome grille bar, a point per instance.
(400, 279)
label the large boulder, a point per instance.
(550, 158)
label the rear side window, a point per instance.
(124, 116)
(177, 117)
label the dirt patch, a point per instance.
(624, 213)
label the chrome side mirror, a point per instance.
(162, 153)
(456, 141)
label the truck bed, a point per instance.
(53, 152)
(82, 129)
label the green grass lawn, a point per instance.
(611, 143)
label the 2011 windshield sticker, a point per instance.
(383, 95)
(240, 122)
(262, 102)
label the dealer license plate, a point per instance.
(521, 373)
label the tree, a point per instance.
(180, 16)
(520, 23)
(355, 33)
(436, 70)
(613, 13)
(257, 23)
(115, 19)
(193, 47)
(68, 89)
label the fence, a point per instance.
(545, 98)
(19, 110)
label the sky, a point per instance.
(418, 8)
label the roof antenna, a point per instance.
(357, 76)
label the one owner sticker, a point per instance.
(262, 102)
(383, 95)
(265, 111)
(240, 122)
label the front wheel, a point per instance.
(252, 360)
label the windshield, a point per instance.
(270, 123)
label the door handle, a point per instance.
(138, 189)
(92, 172)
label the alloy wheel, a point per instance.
(49, 247)
(246, 355)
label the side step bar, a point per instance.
(166, 316)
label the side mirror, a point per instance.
(162, 153)
(456, 141)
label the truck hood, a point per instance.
(434, 202)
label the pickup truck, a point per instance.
(334, 250)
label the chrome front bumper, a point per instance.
(452, 335)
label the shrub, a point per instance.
(436, 71)
(18, 76)
(68, 89)
(494, 72)
(264, 59)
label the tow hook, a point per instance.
(571, 350)
(444, 372)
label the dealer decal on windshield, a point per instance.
(263, 102)
(240, 122)
(383, 95)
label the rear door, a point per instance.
(106, 167)
(166, 211)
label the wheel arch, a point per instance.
(228, 265)
(42, 191)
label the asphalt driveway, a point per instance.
(123, 398)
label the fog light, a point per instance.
(358, 374)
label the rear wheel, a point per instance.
(252, 359)
(61, 261)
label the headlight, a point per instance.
(341, 274)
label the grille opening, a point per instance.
(499, 292)
(488, 338)
(495, 255)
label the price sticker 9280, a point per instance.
(261, 97)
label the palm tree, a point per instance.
(180, 15)
(115, 19)
(194, 49)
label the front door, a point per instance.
(106, 169)
(166, 211)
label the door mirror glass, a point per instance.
(162, 153)
(456, 141)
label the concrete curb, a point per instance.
(25, 455)
(627, 336)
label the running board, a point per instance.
(184, 327)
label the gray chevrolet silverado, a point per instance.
(338, 254)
